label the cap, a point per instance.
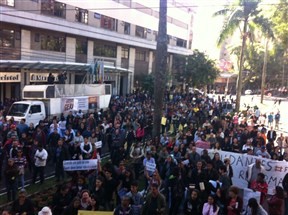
(13, 126)
(45, 211)
(263, 147)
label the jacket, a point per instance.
(161, 204)
(275, 205)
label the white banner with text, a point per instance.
(75, 165)
(274, 170)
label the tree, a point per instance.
(160, 69)
(200, 70)
(147, 83)
(280, 21)
(239, 15)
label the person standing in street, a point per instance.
(40, 158)
(11, 174)
(61, 154)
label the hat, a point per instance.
(45, 211)
(13, 126)
(263, 147)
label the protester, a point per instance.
(11, 174)
(23, 205)
(191, 120)
(276, 202)
(254, 208)
(40, 156)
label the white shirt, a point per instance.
(41, 158)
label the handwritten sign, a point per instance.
(150, 167)
(275, 171)
(163, 121)
(98, 144)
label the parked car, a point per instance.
(248, 92)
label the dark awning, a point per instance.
(53, 65)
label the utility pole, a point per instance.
(160, 75)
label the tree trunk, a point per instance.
(160, 69)
(263, 81)
(239, 81)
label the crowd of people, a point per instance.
(145, 175)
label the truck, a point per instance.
(42, 101)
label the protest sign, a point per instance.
(74, 165)
(163, 121)
(98, 144)
(150, 167)
(274, 170)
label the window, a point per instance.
(127, 28)
(108, 23)
(81, 47)
(7, 2)
(104, 50)
(53, 8)
(35, 109)
(125, 53)
(7, 38)
(53, 43)
(140, 32)
(181, 43)
(81, 15)
(140, 55)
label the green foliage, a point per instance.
(280, 21)
(148, 83)
(200, 70)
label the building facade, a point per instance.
(47, 36)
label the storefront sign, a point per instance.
(6, 77)
(42, 77)
(75, 165)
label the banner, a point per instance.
(74, 165)
(75, 104)
(275, 171)
(92, 102)
(67, 104)
(81, 103)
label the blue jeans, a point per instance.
(21, 181)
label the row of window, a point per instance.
(58, 9)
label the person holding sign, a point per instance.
(235, 202)
(86, 149)
(149, 166)
(163, 123)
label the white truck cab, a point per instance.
(31, 111)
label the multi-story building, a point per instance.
(38, 37)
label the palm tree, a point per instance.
(161, 67)
(241, 15)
